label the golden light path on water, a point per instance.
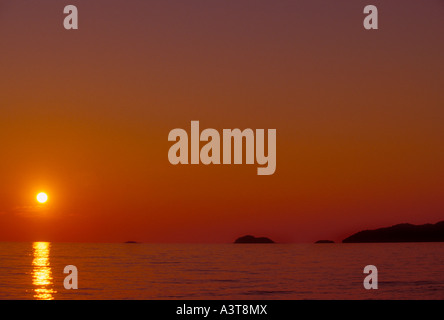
(41, 273)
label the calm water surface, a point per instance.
(277, 271)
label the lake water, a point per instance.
(221, 271)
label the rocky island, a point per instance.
(253, 239)
(324, 241)
(404, 232)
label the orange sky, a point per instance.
(85, 117)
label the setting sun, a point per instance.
(42, 197)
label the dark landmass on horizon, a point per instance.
(404, 232)
(325, 241)
(253, 239)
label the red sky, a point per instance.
(85, 117)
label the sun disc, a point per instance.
(42, 197)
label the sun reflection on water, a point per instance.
(41, 273)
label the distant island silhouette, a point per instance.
(131, 242)
(404, 232)
(324, 241)
(253, 239)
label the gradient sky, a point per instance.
(85, 117)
